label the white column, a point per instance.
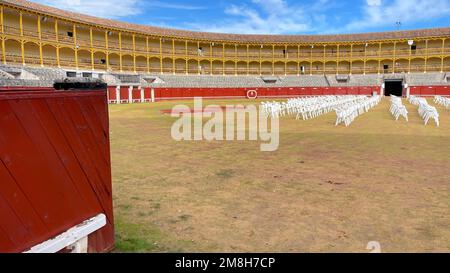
(142, 94)
(153, 95)
(130, 94)
(118, 94)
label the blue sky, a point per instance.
(270, 16)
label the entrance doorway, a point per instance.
(393, 87)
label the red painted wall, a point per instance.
(182, 93)
(55, 169)
(430, 90)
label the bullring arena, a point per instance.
(345, 173)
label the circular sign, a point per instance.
(252, 94)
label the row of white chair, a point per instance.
(397, 108)
(443, 101)
(350, 111)
(426, 111)
(306, 107)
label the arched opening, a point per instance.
(292, 68)
(205, 67)
(266, 68)
(386, 66)
(330, 68)
(84, 59)
(32, 55)
(99, 61)
(168, 65)
(49, 55)
(67, 57)
(230, 68)
(434, 64)
(217, 68)
(114, 62)
(242, 68)
(13, 51)
(180, 66)
(127, 63)
(155, 65)
(317, 68)
(193, 67)
(141, 64)
(401, 66)
(447, 64)
(357, 67)
(344, 68)
(372, 67)
(279, 68)
(305, 68)
(418, 65)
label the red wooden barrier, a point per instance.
(55, 169)
(272, 92)
(25, 88)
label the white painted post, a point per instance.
(142, 94)
(118, 94)
(130, 94)
(153, 95)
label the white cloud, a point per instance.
(113, 8)
(267, 17)
(104, 8)
(373, 2)
(405, 11)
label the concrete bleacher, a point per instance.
(44, 77)
(421, 79)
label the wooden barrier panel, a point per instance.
(55, 168)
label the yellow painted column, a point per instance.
(442, 57)
(379, 58)
(198, 59)
(273, 60)
(298, 60)
(409, 60)
(173, 57)
(324, 59)
(260, 60)
(120, 52)
(351, 58)
(134, 53)
(107, 50)
(248, 61)
(426, 57)
(337, 60)
(311, 60)
(211, 59)
(76, 46)
(285, 61)
(395, 56)
(57, 44)
(41, 57)
(22, 45)
(1, 20)
(147, 49)
(3, 40)
(365, 59)
(186, 56)
(223, 59)
(235, 60)
(21, 23)
(161, 56)
(22, 49)
(92, 47)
